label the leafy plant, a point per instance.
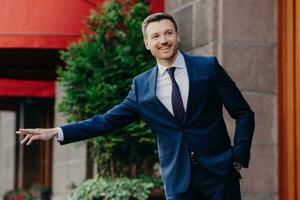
(36, 191)
(17, 195)
(119, 189)
(98, 75)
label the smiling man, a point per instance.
(161, 38)
(181, 100)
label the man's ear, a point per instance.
(178, 37)
(146, 44)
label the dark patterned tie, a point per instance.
(177, 103)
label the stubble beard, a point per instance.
(172, 57)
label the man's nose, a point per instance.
(163, 40)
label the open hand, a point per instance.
(37, 134)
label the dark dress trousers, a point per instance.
(203, 129)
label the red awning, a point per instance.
(46, 23)
(26, 88)
(42, 23)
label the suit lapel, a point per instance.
(153, 97)
(191, 76)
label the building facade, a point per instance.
(257, 42)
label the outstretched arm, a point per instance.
(116, 118)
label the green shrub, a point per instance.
(98, 75)
(118, 189)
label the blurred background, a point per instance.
(256, 41)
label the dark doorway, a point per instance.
(37, 157)
(33, 163)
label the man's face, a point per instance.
(162, 40)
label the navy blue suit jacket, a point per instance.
(203, 129)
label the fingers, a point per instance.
(27, 137)
(30, 139)
(26, 131)
(36, 134)
(35, 137)
(30, 135)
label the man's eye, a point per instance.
(155, 36)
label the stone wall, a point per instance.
(242, 34)
(69, 162)
(7, 151)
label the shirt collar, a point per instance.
(178, 63)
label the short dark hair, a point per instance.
(156, 17)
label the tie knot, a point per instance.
(171, 71)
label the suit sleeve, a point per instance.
(238, 109)
(115, 118)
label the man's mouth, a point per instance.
(165, 48)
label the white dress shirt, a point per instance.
(164, 83)
(164, 86)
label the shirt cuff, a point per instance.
(60, 135)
